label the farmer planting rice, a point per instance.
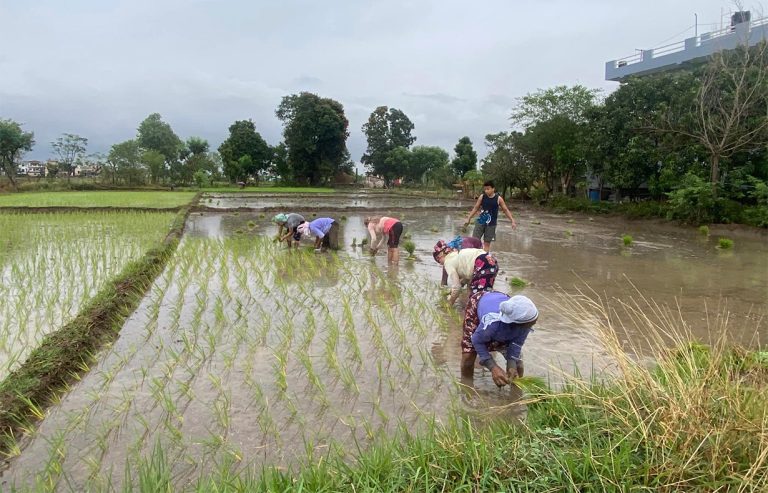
(457, 244)
(488, 205)
(290, 223)
(325, 230)
(473, 266)
(494, 322)
(385, 226)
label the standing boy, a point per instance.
(488, 204)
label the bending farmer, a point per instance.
(390, 227)
(493, 322)
(464, 242)
(289, 222)
(325, 230)
(488, 204)
(471, 266)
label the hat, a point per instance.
(440, 247)
(518, 310)
(280, 218)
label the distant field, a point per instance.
(271, 189)
(150, 199)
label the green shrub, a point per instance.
(725, 243)
(693, 201)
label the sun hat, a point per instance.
(280, 218)
(518, 310)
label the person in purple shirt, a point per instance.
(325, 230)
(495, 322)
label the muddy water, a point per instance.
(245, 351)
(349, 200)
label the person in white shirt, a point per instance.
(473, 266)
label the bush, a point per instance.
(693, 201)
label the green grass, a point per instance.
(148, 199)
(725, 243)
(234, 189)
(704, 230)
(627, 240)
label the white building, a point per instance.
(742, 31)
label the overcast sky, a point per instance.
(98, 67)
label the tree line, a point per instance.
(694, 139)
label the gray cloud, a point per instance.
(97, 68)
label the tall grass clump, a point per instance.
(704, 230)
(627, 240)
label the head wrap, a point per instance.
(280, 218)
(303, 228)
(440, 247)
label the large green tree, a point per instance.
(70, 148)
(466, 157)
(14, 142)
(244, 140)
(315, 134)
(155, 163)
(508, 162)
(387, 129)
(555, 122)
(124, 162)
(156, 135)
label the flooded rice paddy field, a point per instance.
(244, 351)
(51, 264)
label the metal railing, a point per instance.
(681, 45)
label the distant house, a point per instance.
(36, 168)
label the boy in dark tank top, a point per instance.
(488, 204)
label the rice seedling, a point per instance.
(704, 230)
(568, 233)
(434, 229)
(251, 225)
(518, 283)
(627, 240)
(410, 247)
(724, 243)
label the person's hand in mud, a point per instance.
(373, 251)
(500, 378)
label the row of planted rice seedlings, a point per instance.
(239, 352)
(52, 264)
